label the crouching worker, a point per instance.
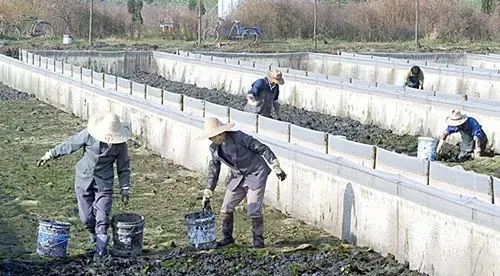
(415, 78)
(474, 139)
(247, 158)
(104, 143)
(263, 97)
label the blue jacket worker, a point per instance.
(474, 139)
(263, 96)
(246, 157)
(104, 143)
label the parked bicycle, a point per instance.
(38, 28)
(9, 31)
(212, 34)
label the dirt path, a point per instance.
(28, 128)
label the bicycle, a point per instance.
(212, 34)
(38, 28)
(9, 31)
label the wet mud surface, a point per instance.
(28, 193)
(341, 260)
(352, 129)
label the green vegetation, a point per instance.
(28, 193)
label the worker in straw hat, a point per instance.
(263, 96)
(474, 139)
(247, 158)
(104, 143)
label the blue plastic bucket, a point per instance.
(127, 234)
(53, 237)
(201, 229)
(427, 148)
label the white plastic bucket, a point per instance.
(427, 148)
(67, 39)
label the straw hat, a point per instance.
(213, 127)
(275, 74)
(456, 118)
(107, 128)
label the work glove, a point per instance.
(477, 153)
(251, 100)
(44, 159)
(278, 171)
(125, 196)
(207, 195)
(439, 148)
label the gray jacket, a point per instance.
(97, 161)
(246, 160)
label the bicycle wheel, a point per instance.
(12, 32)
(210, 35)
(43, 30)
(250, 35)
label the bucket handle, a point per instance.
(57, 244)
(133, 228)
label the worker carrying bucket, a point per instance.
(474, 139)
(104, 142)
(246, 157)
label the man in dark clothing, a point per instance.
(263, 96)
(474, 139)
(104, 143)
(415, 78)
(247, 158)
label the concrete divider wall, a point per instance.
(172, 100)
(110, 81)
(359, 153)
(43, 62)
(243, 120)
(67, 69)
(496, 190)
(193, 106)
(436, 232)
(413, 168)
(98, 79)
(366, 104)
(111, 62)
(58, 66)
(154, 94)
(404, 113)
(445, 79)
(218, 111)
(308, 138)
(77, 72)
(373, 69)
(124, 85)
(462, 182)
(278, 130)
(367, 160)
(86, 75)
(138, 90)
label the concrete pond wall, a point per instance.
(487, 61)
(404, 112)
(366, 155)
(437, 232)
(475, 82)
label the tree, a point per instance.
(488, 6)
(134, 8)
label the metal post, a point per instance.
(199, 21)
(315, 25)
(417, 45)
(90, 21)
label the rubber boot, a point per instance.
(101, 244)
(227, 229)
(258, 232)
